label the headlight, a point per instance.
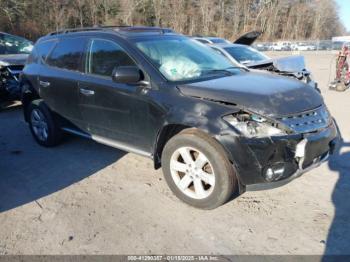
(251, 125)
(2, 63)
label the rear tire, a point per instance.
(197, 170)
(43, 127)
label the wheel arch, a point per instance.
(170, 130)
(166, 133)
(28, 95)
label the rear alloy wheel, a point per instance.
(42, 124)
(197, 169)
(39, 125)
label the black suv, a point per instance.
(216, 130)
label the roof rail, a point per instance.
(143, 28)
(72, 30)
(111, 27)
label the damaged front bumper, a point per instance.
(9, 81)
(269, 185)
(263, 163)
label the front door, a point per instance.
(111, 109)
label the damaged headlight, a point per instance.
(2, 64)
(251, 125)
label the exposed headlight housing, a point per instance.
(3, 63)
(252, 125)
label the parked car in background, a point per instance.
(241, 53)
(216, 129)
(262, 47)
(14, 51)
(281, 46)
(324, 45)
(304, 47)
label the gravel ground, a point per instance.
(86, 198)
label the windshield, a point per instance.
(245, 54)
(180, 59)
(10, 45)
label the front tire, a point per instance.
(197, 170)
(43, 127)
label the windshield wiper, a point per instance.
(227, 70)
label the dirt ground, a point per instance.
(86, 198)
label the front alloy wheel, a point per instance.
(192, 172)
(197, 169)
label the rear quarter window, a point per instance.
(68, 54)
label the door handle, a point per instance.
(44, 83)
(87, 92)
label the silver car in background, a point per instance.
(241, 53)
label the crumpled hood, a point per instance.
(261, 93)
(19, 59)
(291, 64)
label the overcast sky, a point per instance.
(344, 9)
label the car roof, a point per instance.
(122, 31)
(16, 36)
(209, 38)
(226, 45)
(214, 37)
(3, 33)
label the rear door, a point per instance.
(36, 66)
(59, 81)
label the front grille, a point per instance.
(308, 121)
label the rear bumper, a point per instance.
(275, 161)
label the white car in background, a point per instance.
(281, 46)
(304, 47)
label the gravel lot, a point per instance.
(86, 198)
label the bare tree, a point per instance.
(278, 19)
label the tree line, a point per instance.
(277, 19)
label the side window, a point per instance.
(104, 56)
(67, 54)
(43, 49)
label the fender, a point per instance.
(28, 94)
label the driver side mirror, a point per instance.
(127, 74)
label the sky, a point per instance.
(344, 9)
